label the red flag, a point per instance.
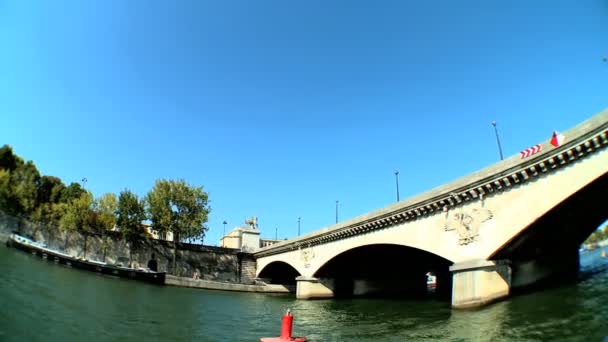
(557, 139)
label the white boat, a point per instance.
(431, 281)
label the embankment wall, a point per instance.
(212, 263)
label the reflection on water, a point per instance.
(46, 302)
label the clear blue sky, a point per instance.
(280, 108)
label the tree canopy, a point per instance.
(77, 213)
(172, 205)
(598, 235)
(130, 215)
(178, 207)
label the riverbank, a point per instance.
(172, 280)
(222, 265)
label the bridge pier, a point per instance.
(545, 270)
(479, 282)
(314, 288)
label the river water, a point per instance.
(40, 301)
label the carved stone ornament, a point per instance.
(306, 255)
(466, 223)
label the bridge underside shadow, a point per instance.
(280, 273)
(547, 252)
(385, 270)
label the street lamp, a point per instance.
(224, 226)
(299, 219)
(337, 211)
(397, 183)
(84, 181)
(497, 139)
(276, 233)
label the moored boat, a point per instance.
(36, 248)
(431, 281)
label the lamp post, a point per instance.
(84, 182)
(337, 210)
(497, 139)
(397, 183)
(299, 219)
(224, 226)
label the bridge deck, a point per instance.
(584, 139)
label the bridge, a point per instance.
(515, 224)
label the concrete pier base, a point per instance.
(314, 288)
(480, 282)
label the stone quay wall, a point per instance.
(211, 263)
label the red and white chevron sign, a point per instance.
(531, 150)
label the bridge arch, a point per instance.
(565, 226)
(279, 272)
(385, 269)
(548, 248)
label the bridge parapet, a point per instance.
(583, 140)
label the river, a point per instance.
(40, 301)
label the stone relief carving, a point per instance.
(306, 255)
(466, 223)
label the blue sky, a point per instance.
(280, 108)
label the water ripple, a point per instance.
(46, 302)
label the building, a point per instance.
(268, 242)
(246, 238)
(243, 238)
(150, 233)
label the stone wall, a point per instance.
(212, 263)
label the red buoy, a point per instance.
(286, 329)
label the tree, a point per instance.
(5, 190)
(24, 187)
(49, 189)
(129, 216)
(8, 159)
(598, 235)
(158, 205)
(49, 192)
(180, 208)
(76, 216)
(106, 207)
(71, 192)
(44, 216)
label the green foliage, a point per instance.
(49, 210)
(106, 207)
(158, 205)
(177, 207)
(5, 189)
(49, 190)
(71, 192)
(76, 214)
(174, 206)
(8, 160)
(24, 187)
(599, 235)
(45, 214)
(129, 216)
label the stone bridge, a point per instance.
(513, 224)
